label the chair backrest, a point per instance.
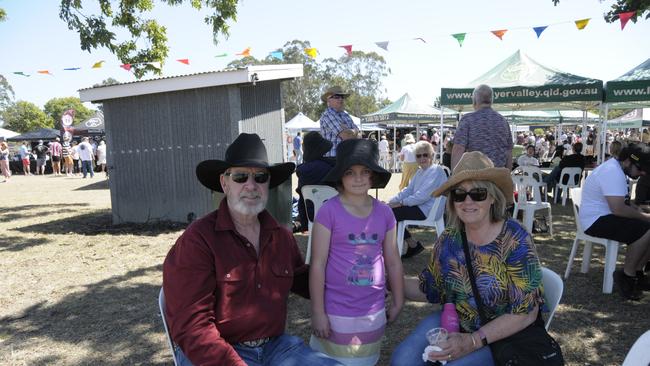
(570, 177)
(553, 288)
(638, 354)
(317, 195)
(576, 198)
(161, 306)
(523, 183)
(533, 172)
(447, 170)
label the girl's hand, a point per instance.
(393, 311)
(456, 346)
(320, 325)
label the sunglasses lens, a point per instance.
(476, 194)
(261, 177)
(421, 155)
(239, 177)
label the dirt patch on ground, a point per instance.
(76, 290)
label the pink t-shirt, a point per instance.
(354, 276)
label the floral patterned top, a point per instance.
(507, 271)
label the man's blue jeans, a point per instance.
(285, 350)
(87, 166)
(409, 352)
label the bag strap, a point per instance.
(472, 280)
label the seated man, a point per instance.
(605, 213)
(575, 160)
(227, 278)
(529, 158)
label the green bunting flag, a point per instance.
(460, 37)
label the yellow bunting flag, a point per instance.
(499, 33)
(245, 53)
(98, 64)
(311, 52)
(582, 23)
(46, 72)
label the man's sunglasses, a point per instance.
(476, 194)
(259, 177)
(421, 155)
(337, 96)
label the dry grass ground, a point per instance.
(76, 290)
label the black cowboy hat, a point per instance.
(315, 146)
(358, 152)
(246, 151)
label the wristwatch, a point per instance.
(481, 334)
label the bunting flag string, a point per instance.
(580, 24)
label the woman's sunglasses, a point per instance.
(421, 155)
(476, 194)
(258, 177)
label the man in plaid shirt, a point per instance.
(335, 124)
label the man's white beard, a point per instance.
(241, 207)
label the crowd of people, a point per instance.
(69, 158)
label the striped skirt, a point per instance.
(353, 341)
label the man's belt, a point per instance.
(256, 342)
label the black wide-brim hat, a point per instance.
(358, 152)
(315, 146)
(246, 151)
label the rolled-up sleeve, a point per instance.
(431, 179)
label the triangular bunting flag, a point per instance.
(72, 68)
(625, 17)
(278, 55)
(245, 53)
(582, 23)
(46, 72)
(185, 61)
(460, 37)
(21, 73)
(539, 30)
(499, 33)
(126, 67)
(311, 52)
(155, 64)
(383, 45)
(348, 49)
(98, 64)
(221, 55)
(420, 39)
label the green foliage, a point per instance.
(538, 132)
(3, 15)
(106, 82)
(25, 116)
(6, 93)
(641, 7)
(145, 40)
(55, 107)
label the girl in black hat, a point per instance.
(353, 240)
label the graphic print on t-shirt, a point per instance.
(362, 272)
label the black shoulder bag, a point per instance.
(532, 346)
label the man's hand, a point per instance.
(348, 134)
(320, 324)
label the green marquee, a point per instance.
(630, 90)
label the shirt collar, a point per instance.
(224, 220)
(332, 110)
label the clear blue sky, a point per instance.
(34, 38)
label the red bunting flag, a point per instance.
(185, 61)
(499, 33)
(126, 67)
(46, 72)
(348, 49)
(625, 17)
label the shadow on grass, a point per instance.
(99, 222)
(102, 184)
(112, 318)
(8, 214)
(16, 243)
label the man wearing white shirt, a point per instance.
(87, 156)
(383, 152)
(528, 159)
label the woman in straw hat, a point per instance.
(409, 164)
(505, 265)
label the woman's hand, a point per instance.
(456, 346)
(394, 204)
(393, 311)
(320, 324)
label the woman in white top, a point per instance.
(528, 159)
(407, 156)
(415, 202)
(101, 156)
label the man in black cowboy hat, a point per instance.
(335, 124)
(227, 278)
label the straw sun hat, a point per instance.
(476, 166)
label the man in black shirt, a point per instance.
(575, 160)
(41, 157)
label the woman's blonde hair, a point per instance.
(497, 210)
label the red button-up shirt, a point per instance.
(219, 291)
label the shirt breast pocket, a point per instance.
(231, 294)
(282, 277)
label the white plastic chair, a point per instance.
(317, 195)
(161, 306)
(430, 221)
(447, 170)
(523, 184)
(536, 174)
(553, 289)
(611, 247)
(638, 354)
(572, 176)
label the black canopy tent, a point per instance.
(93, 126)
(45, 134)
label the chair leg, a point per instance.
(586, 257)
(400, 237)
(440, 227)
(308, 254)
(574, 249)
(550, 222)
(611, 254)
(565, 194)
(529, 217)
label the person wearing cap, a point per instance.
(507, 271)
(605, 213)
(335, 124)
(227, 278)
(41, 157)
(312, 171)
(354, 255)
(484, 130)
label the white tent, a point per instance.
(5, 134)
(302, 122)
